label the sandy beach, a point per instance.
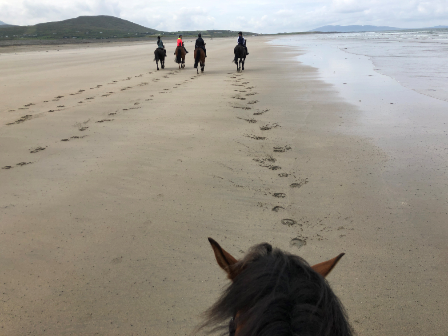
(114, 175)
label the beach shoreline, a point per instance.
(127, 171)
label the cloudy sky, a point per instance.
(258, 16)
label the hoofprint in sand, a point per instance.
(115, 174)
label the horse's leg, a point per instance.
(243, 64)
(162, 63)
(157, 63)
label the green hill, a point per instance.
(101, 26)
(95, 27)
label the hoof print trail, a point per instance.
(23, 163)
(297, 242)
(268, 127)
(64, 139)
(280, 149)
(261, 112)
(7, 167)
(21, 120)
(289, 222)
(279, 195)
(37, 149)
(255, 137)
(251, 121)
(299, 184)
(283, 175)
(278, 208)
(253, 102)
(100, 121)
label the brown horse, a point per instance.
(199, 57)
(276, 293)
(180, 57)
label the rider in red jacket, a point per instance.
(181, 44)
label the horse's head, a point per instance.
(276, 293)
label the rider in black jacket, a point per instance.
(242, 41)
(201, 44)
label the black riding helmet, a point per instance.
(240, 33)
(199, 35)
(158, 37)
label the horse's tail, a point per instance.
(156, 55)
(178, 55)
(198, 55)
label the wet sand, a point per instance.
(127, 170)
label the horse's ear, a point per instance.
(224, 259)
(324, 268)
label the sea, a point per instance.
(417, 59)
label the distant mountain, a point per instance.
(101, 26)
(5, 25)
(354, 29)
(437, 27)
(95, 27)
(351, 29)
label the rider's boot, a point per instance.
(247, 53)
(186, 50)
(205, 52)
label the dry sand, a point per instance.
(128, 170)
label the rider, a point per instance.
(242, 41)
(181, 44)
(160, 44)
(200, 44)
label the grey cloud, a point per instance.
(258, 16)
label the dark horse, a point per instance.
(199, 57)
(240, 54)
(159, 55)
(275, 293)
(180, 56)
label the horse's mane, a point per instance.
(276, 294)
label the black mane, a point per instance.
(278, 294)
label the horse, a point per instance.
(180, 57)
(276, 293)
(240, 53)
(159, 55)
(199, 57)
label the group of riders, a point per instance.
(200, 43)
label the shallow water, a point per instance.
(416, 59)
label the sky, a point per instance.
(258, 16)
